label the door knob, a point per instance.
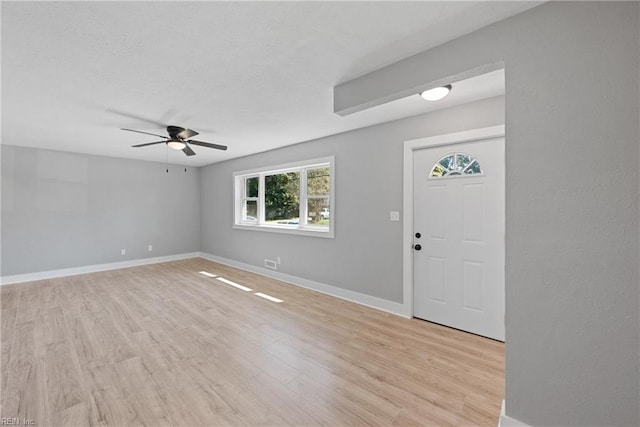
(417, 247)
(418, 235)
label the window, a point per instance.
(282, 198)
(250, 199)
(319, 195)
(294, 198)
(456, 164)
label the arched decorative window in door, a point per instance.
(456, 164)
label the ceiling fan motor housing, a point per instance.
(174, 131)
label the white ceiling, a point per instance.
(251, 75)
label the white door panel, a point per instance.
(459, 269)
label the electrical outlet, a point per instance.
(394, 216)
(270, 264)
(150, 248)
(278, 260)
(123, 251)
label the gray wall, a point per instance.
(572, 279)
(62, 210)
(366, 254)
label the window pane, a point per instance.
(447, 162)
(250, 211)
(251, 186)
(473, 168)
(319, 211)
(318, 182)
(437, 171)
(462, 161)
(282, 198)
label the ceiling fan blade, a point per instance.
(187, 133)
(188, 151)
(137, 117)
(149, 143)
(146, 133)
(207, 144)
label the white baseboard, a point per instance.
(362, 299)
(43, 275)
(507, 421)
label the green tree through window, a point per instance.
(282, 197)
(318, 194)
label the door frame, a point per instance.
(407, 205)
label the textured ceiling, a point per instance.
(251, 75)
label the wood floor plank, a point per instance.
(101, 376)
(294, 408)
(353, 406)
(6, 338)
(250, 408)
(111, 340)
(76, 415)
(28, 304)
(83, 338)
(24, 394)
(208, 405)
(63, 383)
(127, 320)
(52, 322)
(163, 345)
(9, 297)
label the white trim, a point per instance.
(362, 299)
(507, 421)
(43, 275)
(407, 196)
(286, 167)
(309, 231)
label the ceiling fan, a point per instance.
(178, 139)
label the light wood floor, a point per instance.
(166, 345)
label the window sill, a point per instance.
(299, 231)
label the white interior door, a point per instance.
(459, 216)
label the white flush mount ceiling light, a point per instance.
(176, 144)
(436, 94)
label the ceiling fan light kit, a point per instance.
(176, 144)
(178, 140)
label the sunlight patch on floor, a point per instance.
(206, 273)
(268, 297)
(234, 284)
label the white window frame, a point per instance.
(302, 228)
(244, 198)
